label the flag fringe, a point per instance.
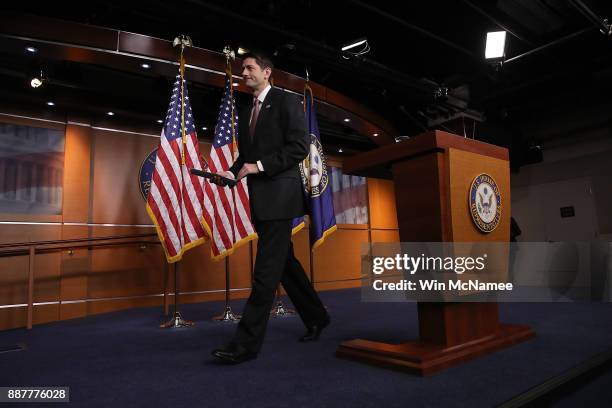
(160, 236)
(322, 239)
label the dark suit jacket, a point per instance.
(281, 142)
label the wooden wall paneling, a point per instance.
(13, 290)
(14, 275)
(385, 235)
(77, 175)
(125, 270)
(199, 272)
(301, 248)
(382, 209)
(340, 257)
(75, 266)
(117, 158)
(46, 287)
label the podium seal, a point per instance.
(485, 203)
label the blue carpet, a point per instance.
(123, 359)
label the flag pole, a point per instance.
(280, 310)
(228, 315)
(177, 320)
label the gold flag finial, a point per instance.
(183, 41)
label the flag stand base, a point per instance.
(227, 316)
(281, 311)
(176, 321)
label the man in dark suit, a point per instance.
(273, 141)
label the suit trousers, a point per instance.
(276, 263)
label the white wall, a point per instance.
(577, 168)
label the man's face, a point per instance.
(253, 75)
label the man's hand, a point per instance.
(247, 168)
(220, 182)
(226, 174)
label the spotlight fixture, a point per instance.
(38, 80)
(375, 134)
(204, 128)
(145, 65)
(50, 103)
(355, 48)
(31, 49)
(495, 46)
(242, 51)
(340, 150)
(160, 121)
(110, 113)
(347, 120)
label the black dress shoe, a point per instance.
(314, 332)
(234, 354)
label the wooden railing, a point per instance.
(38, 247)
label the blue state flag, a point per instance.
(316, 181)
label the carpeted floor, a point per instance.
(123, 359)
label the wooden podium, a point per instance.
(432, 175)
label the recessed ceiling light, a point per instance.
(145, 65)
(110, 113)
(235, 84)
(51, 103)
(340, 150)
(375, 134)
(31, 49)
(354, 44)
(36, 82)
(347, 120)
(160, 121)
(241, 51)
(204, 128)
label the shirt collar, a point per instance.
(262, 95)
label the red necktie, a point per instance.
(254, 115)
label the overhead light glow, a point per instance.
(110, 113)
(354, 44)
(347, 120)
(160, 121)
(145, 65)
(36, 82)
(31, 49)
(51, 103)
(496, 43)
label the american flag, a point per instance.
(227, 215)
(174, 202)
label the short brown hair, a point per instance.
(260, 58)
